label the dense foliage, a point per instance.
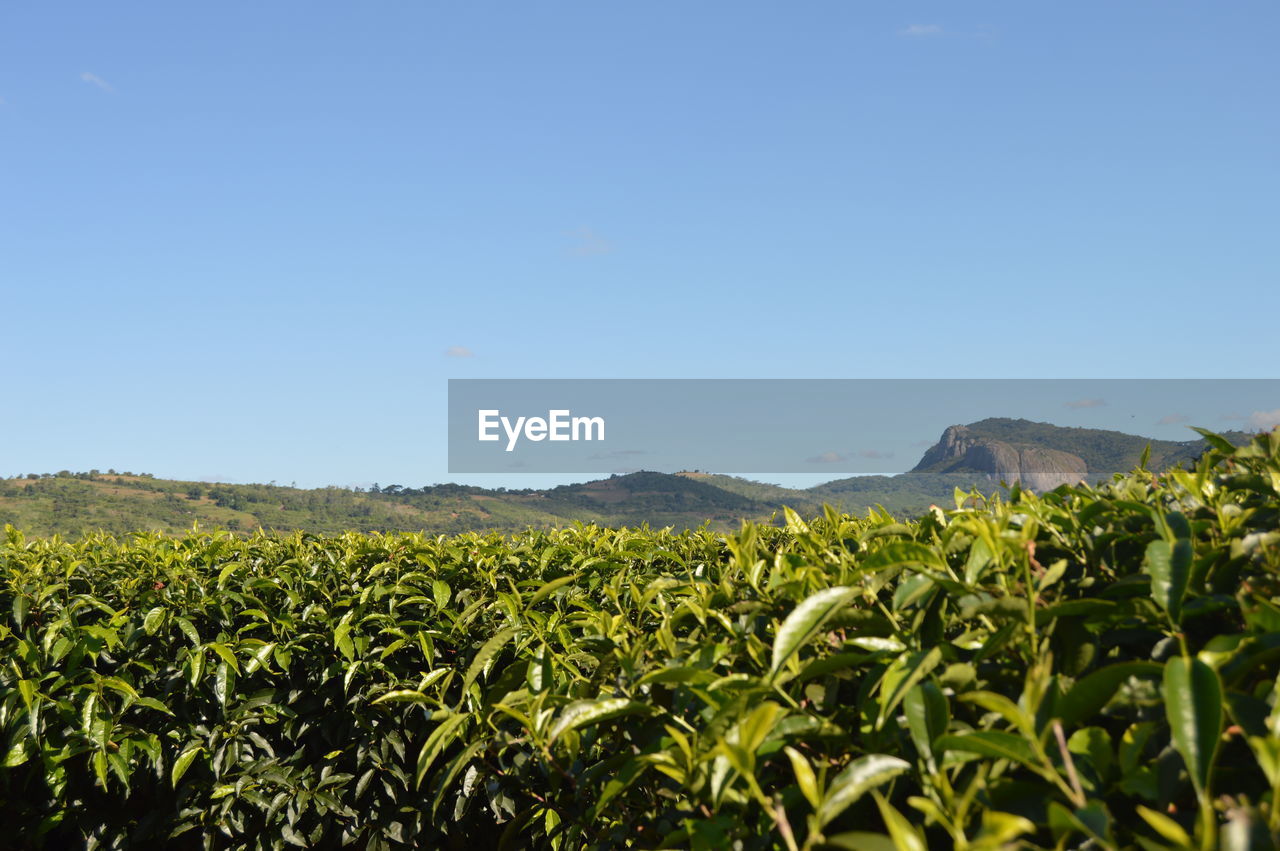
(1089, 667)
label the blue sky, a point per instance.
(252, 241)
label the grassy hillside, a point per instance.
(71, 503)
(751, 489)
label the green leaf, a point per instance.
(455, 767)
(118, 766)
(927, 714)
(1193, 705)
(860, 840)
(989, 743)
(819, 667)
(435, 744)
(119, 686)
(226, 655)
(1170, 569)
(100, 767)
(751, 732)
(550, 588)
(403, 695)
(1005, 708)
(1092, 820)
(905, 836)
(859, 777)
(999, 830)
(188, 629)
(1169, 829)
(17, 753)
(441, 592)
(1216, 441)
(490, 649)
(223, 683)
(182, 763)
(805, 778)
(21, 605)
(152, 703)
(1086, 698)
(430, 678)
(1179, 526)
(1094, 743)
(902, 553)
(1132, 744)
(794, 521)
(27, 688)
(805, 621)
(226, 573)
(152, 621)
(1052, 574)
(911, 589)
(677, 674)
(907, 670)
(583, 712)
(342, 641)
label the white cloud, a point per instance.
(459, 352)
(1088, 403)
(920, 30)
(1264, 420)
(588, 243)
(1173, 419)
(95, 80)
(874, 453)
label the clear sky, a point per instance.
(252, 241)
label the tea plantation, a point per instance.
(1093, 667)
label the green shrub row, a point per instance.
(1087, 668)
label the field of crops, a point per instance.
(1087, 668)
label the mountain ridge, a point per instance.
(1039, 454)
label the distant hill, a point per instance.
(906, 494)
(981, 454)
(753, 490)
(659, 499)
(1042, 456)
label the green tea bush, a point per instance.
(1094, 667)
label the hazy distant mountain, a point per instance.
(981, 454)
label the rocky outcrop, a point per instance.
(1036, 468)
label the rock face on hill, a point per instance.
(1035, 467)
